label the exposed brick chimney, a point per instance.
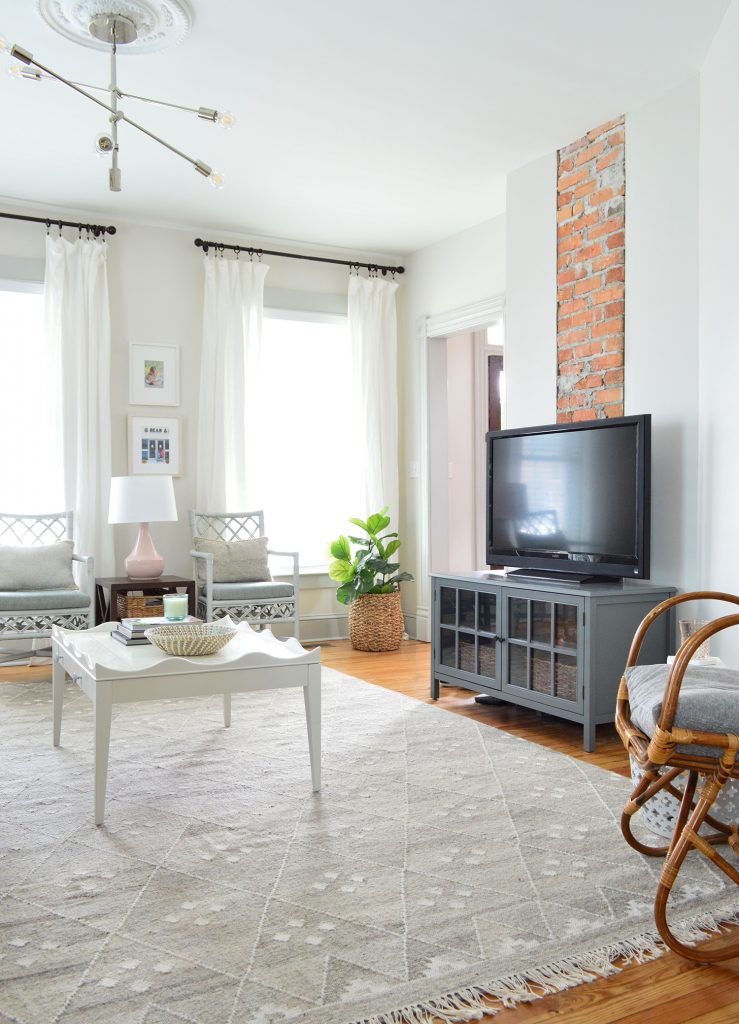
(590, 275)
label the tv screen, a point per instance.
(571, 498)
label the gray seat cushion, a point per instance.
(709, 700)
(252, 591)
(41, 600)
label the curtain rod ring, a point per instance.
(48, 226)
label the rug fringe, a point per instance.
(505, 993)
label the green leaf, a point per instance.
(341, 570)
(377, 523)
(401, 577)
(391, 548)
(359, 540)
(346, 593)
(341, 548)
(360, 523)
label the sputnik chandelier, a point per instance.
(139, 24)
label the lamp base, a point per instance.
(144, 562)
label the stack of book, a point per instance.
(131, 631)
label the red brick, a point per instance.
(588, 252)
(573, 147)
(589, 284)
(614, 410)
(566, 276)
(614, 326)
(569, 180)
(586, 220)
(588, 316)
(568, 244)
(563, 260)
(566, 164)
(563, 230)
(611, 259)
(564, 199)
(607, 362)
(565, 292)
(607, 395)
(588, 154)
(595, 380)
(616, 139)
(575, 337)
(573, 368)
(614, 309)
(608, 227)
(616, 291)
(615, 241)
(574, 306)
(615, 274)
(614, 377)
(585, 189)
(583, 414)
(564, 417)
(598, 198)
(615, 344)
(607, 159)
(563, 214)
(590, 348)
(604, 129)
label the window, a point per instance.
(30, 415)
(308, 469)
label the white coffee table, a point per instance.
(110, 673)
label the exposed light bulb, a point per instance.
(15, 71)
(217, 180)
(4, 45)
(103, 145)
(225, 119)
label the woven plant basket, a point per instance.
(376, 622)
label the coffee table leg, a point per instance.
(312, 697)
(57, 689)
(226, 709)
(103, 713)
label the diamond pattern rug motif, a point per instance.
(441, 854)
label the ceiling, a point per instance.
(379, 127)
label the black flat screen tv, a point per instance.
(571, 501)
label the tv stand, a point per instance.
(554, 576)
(558, 648)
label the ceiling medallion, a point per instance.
(157, 26)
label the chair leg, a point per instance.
(687, 837)
(650, 783)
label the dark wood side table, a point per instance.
(106, 607)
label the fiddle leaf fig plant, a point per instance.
(369, 569)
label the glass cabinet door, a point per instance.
(541, 649)
(467, 645)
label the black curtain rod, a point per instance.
(249, 250)
(97, 229)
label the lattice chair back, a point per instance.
(31, 531)
(227, 525)
(260, 603)
(31, 614)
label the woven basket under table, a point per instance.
(132, 607)
(376, 622)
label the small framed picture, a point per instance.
(154, 445)
(154, 375)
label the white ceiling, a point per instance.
(380, 126)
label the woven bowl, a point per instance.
(190, 641)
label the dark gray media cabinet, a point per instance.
(559, 648)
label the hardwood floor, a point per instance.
(666, 991)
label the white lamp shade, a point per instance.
(142, 499)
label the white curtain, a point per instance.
(77, 315)
(231, 435)
(374, 397)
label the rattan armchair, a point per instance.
(30, 614)
(259, 603)
(695, 738)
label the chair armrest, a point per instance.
(660, 609)
(89, 563)
(207, 557)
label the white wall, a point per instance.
(531, 294)
(661, 359)
(156, 287)
(461, 452)
(458, 271)
(719, 321)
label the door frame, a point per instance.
(431, 334)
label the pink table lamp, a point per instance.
(142, 500)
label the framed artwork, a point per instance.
(154, 445)
(154, 375)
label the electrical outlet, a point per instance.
(414, 471)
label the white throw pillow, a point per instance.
(46, 567)
(235, 561)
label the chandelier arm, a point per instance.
(119, 115)
(128, 95)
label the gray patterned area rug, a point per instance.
(445, 865)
